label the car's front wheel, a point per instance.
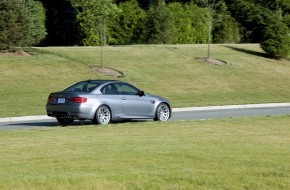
(162, 112)
(64, 121)
(103, 115)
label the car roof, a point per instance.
(100, 81)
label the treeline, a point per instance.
(122, 22)
(155, 22)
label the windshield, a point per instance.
(86, 86)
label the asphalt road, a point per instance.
(176, 116)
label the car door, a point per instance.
(111, 98)
(133, 104)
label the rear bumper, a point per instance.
(70, 111)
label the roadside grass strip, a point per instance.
(236, 153)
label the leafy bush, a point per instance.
(21, 24)
(159, 24)
(253, 17)
(128, 27)
(226, 29)
(189, 24)
(94, 17)
(276, 40)
(37, 29)
(286, 19)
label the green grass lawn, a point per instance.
(241, 153)
(171, 71)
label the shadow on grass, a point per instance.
(44, 124)
(250, 52)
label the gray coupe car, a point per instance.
(103, 101)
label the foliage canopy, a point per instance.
(123, 22)
(276, 40)
(21, 24)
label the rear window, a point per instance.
(87, 86)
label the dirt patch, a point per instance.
(16, 53)
(107, 71)
(212, 61)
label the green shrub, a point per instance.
(128, 26)
(21, 24)
(276, 40)
(226, 29)
(188, 24)
(94, 17)
(159, 24)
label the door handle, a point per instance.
(123, 98)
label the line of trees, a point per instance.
(122, 22)
(159, 23)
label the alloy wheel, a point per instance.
(103, 115)
(163, 112)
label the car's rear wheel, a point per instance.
(162, 112)
(103, 115)
(64, 121)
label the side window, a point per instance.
(126, 89)
(109, 89)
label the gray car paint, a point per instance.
(122, 106)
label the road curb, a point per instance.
(45, 117)
(231, 107)
(25, 118)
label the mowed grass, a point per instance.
(171, 71)
(240, 153)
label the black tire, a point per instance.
(103, 115)
(163, 112)
(64, 121)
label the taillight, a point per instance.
(50, 99)
(78, 99)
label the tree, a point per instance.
(276, 40)
(198, 19)
(265, 26)
(188, 23)
(128, 27)
(159, 23)
(21, 24)
(211, 18)
(37, 30)
(93, 17)
(61, 23)
(228, 30)
(253, 17)
(286, 20)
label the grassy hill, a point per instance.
(235, 153)
(172, 71)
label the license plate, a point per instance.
(61, 100)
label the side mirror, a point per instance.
(141, 93)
